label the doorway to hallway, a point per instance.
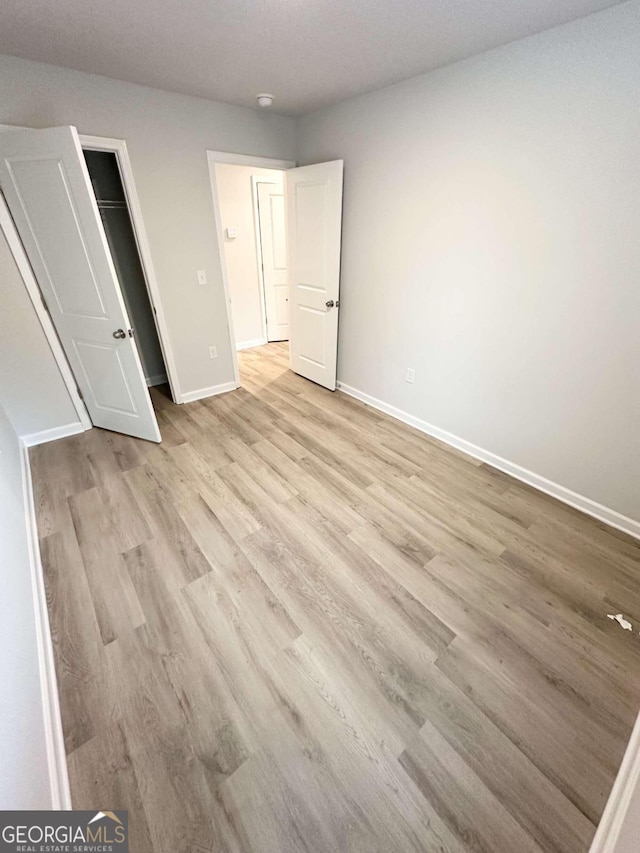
(306, 256)
(255, 252)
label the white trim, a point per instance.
(627, 785)
(257, 236)
(54, 736)
(586, 505)
(217, 215)
(214, 157)
(256, 342)
(119, 148)
(248, 160)
(158, 379)
(24, 267)
(52, 434)
(190, 396)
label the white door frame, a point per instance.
(119, 148)
(33, 289)
(214, 157)
(255, 180)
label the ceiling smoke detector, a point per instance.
(264, 100)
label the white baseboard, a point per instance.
(158, 379)
(586, 505)
(54, 737)
(258, 342)
(190, 396)
(625, 789)
(52, 434)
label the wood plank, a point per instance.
(299, 625)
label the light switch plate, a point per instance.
(202, 276)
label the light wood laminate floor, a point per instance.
(299, 626)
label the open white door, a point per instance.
(273, 239)
(46, 185)
(314, 225)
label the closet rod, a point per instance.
(116, 204)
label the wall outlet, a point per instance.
(202, 276)
(213, 352)
(411, 374)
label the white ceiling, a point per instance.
(309, 53)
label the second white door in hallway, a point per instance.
(273, 243)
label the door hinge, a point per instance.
(80, 394)
(44, 302)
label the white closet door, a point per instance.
(45, 181)
(314, 225)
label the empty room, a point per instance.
(320, 426)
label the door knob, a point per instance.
(119, 333)
(330, 303)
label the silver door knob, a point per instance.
(330, 303)
(119, 333)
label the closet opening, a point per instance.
(108, 188)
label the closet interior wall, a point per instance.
(112, 204)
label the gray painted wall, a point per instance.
(167, 136)
(490, 241)
(33, 392)
(24, 780)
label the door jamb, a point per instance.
(24, 268)
(255, 180)
(119, 148)
(214, 157)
